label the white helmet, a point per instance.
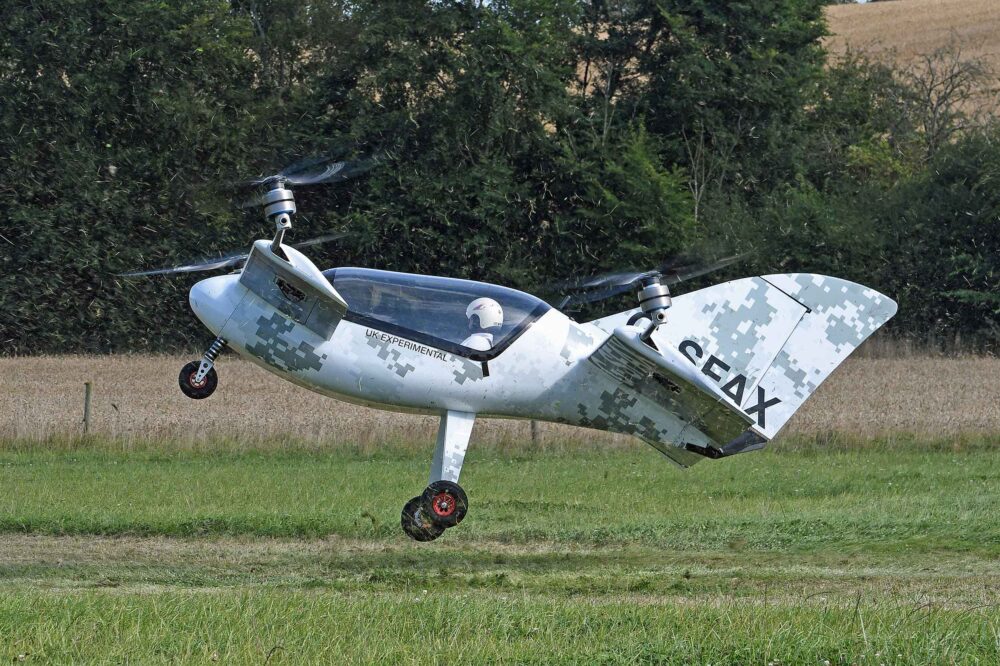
(487, 312)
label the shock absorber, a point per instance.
(208, 359)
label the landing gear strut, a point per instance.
(198, 379)
(443, 503)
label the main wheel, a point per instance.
(416, 524)
(202, 389)
(445, 503)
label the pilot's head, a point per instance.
(484, 314)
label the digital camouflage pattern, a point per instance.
(728, 369)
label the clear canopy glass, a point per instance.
(432, 309)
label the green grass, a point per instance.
(303, 627)
(887, 554)
(917, 501)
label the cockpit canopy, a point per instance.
(431, 309)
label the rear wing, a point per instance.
(763, 345)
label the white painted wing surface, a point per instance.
(763, 345)
(840, 316)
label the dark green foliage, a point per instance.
(518, 142)
(115, 116)
(947, 220)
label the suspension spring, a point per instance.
(215, 349)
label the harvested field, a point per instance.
(903, 32)
(137, 401)
(904, 29)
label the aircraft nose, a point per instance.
(211, 301)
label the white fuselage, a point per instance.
(532, 378)
(546, 373)
(731, 367)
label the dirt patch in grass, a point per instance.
(636, 574)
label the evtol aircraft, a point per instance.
(706, 374)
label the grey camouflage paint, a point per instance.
(841, 315)
(391, 355)
(785, 333)
(467, 370)
(276, 347)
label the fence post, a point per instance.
(87, 391)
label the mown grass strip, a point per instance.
(287, 626)
(794, 501)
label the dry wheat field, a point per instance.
(136, 399)
(905, 29)
(903, 32)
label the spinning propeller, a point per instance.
(227, 260)
(278, 203)
(601, 287)
(310, 171)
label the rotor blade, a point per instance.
(671, 272)
(318, 176)
(308, 164)
(601, 281)
(595, 295)
(206, 265)
(692, 273)
(228, 260)
(311, 171)
(335, 172)
(321, 239)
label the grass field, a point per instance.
(262, 526)
(885, 555)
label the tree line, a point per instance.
(522, 142)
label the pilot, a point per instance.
(485, 319)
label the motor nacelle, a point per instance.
(654, 299)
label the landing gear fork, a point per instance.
(198, 379)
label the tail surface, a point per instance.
(763, 345)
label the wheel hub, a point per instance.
(444, 504)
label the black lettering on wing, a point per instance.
(734, 388)
(761, 406)
(712, 363)
(694, 347)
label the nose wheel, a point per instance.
(443, 504)
(194, 388)
(198, 379)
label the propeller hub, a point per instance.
(654, 299)
(278, 201)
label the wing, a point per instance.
(749, 352)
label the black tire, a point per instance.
(416, 524)
(200, 391)
(445, 503)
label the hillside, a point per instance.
(904, 29)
